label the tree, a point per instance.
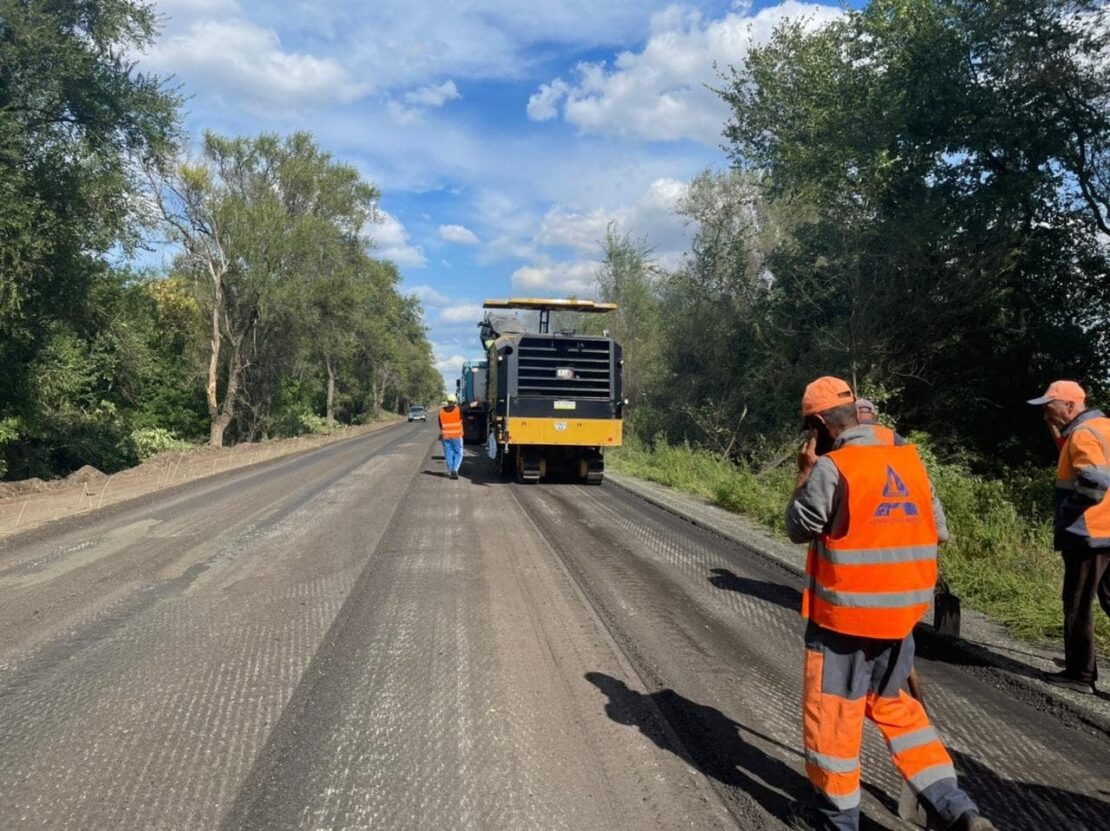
(258, 220)
(75, 120)
(950, 175)
(630, 279)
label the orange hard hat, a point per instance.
(824, 394)
(1061, 391)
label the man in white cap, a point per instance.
(451, 434)
(866, 413)
(1081, 530)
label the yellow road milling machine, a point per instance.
(555, 400)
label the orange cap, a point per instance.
(1061, 391)
(824, 394)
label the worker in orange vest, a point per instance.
(1082, 525)
(873, 523)
(866, 412)
(451, 434)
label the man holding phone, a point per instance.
(873, 522)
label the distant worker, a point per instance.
(873, 522)
(451, 433)
(866, 412)
(1081, 531)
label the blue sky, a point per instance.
(504, 136)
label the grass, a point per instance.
(999, 558)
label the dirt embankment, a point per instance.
(32, 502)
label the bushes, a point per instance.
(150, 441)
(999, 558)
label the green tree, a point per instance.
(629, 278)
(950, 166)
(258, 221)
(75, 120)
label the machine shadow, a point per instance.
(787, 597)
(710, 742)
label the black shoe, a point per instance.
(971, 821)
(454, 474)
(1065, 681)
(802, 815)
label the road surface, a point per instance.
(348, 639)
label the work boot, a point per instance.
(802, 815)
(1066, 681)
(971, 821)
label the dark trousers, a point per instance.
(1086, 574)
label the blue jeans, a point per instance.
(452, 453)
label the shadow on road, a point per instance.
(1027, 806)
(785, 596)
(709, 741)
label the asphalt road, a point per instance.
(347, 639)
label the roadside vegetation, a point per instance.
(918, 202)
(271, 318)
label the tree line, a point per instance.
(918, 201)
(274, 317)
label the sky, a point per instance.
(505, 137)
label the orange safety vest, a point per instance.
(876, 580)
(883, 434)
(1084, 470)
(450, 423)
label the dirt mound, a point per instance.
(22, 487)
(85, 475)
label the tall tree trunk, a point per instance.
(227, 412)
(216, 430)
(331, 392)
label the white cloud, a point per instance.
(391, 242)
(236, 59)
(543, 105)
(449, 367)
(660, 93)
(651, 216)
(433, 96)
(578, 279)
(464, 313)
(458, 234)
(429, 296)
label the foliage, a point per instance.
(948, 249)
(150, 441)
(75, 119)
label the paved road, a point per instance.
(347, 639)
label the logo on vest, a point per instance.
(896, 498)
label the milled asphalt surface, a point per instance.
(347, 639)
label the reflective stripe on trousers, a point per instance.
(848, 679)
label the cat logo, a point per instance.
(896, 491)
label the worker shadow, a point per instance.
(442, 474)
(781, 595)
(1027, 806)
(709, 741)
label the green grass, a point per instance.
(999, 559)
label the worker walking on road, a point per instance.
(451, 434)
(873, 524)
(1081, 531)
